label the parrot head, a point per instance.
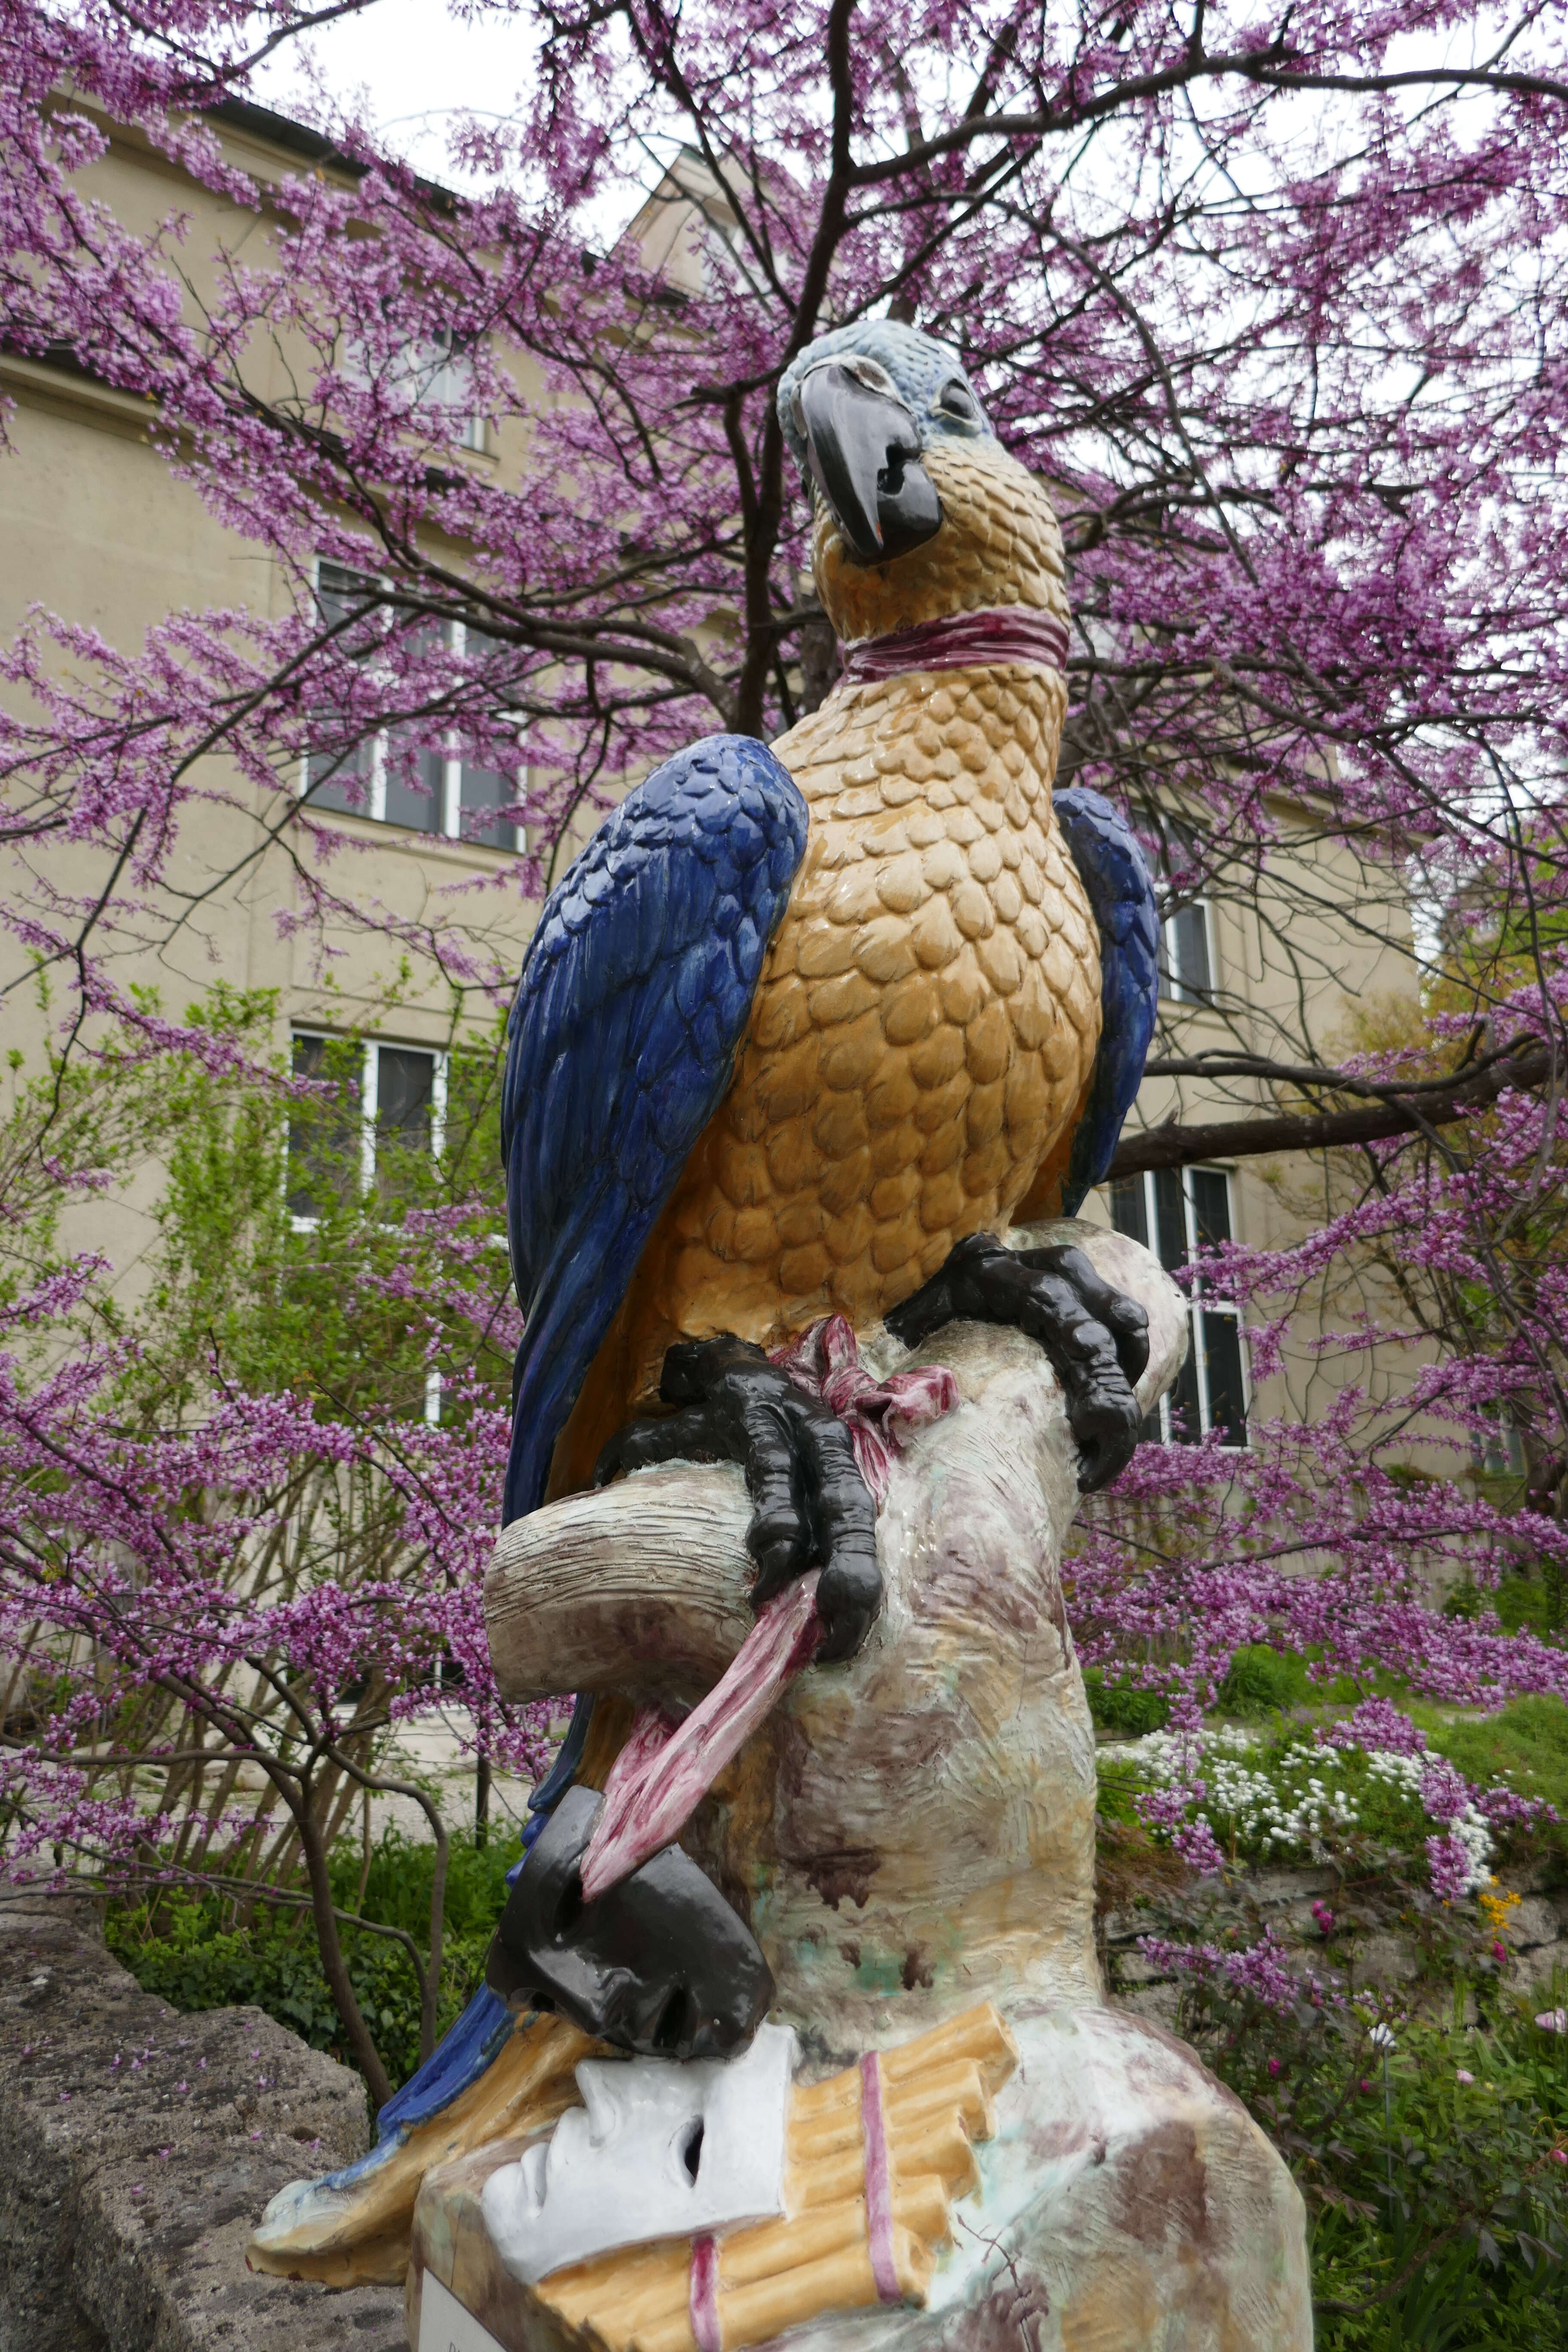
(918, 510)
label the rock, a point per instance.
(1533, 1921)
(1274, 1890)
(136, 2148)
(1126, 1926)
(1158, 2002)
(1387, 1959)
(1542, 1971)
(1133, 1969)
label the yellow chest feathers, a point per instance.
(928, 1015)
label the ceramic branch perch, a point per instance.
(912, 1833)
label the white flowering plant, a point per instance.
(1221, 1794)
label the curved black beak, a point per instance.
(863, 449)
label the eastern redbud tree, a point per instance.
(1274, 298)
(246, 1510)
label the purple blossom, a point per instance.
(1506, 1810)
(1444, 1792)
(1194, 1841)
(1375, 1722)
(1450, 1867)
(1263, 1969)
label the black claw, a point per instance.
(810, 1506)
(1096, 1338)
(1126, 1322)
(641, 1442)
(658, 1964)
(847, 1601)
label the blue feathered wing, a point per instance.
(1115, 879)
(633, 998)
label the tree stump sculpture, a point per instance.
(911, 1837)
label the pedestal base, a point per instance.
(1126, 2202)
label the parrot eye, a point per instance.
(957, 400)
(874, 378)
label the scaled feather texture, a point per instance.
(800, 1019)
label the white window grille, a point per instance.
(1500, 1451)
(415, 786)
(443, 373)
(435, 370)
(1175, 1212)
(1186, 944)
(402, 1105)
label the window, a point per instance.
(387, 777)
(436, 370)
(477, 793)
(324, 1149)
(337, 1146)
(1175, 1212)
(1186, 970)
(345, 777)
(442, 373)
(1186, 959)
(1500, 1452)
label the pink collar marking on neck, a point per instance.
(1008, 633)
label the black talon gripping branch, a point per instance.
(1096, 1338)
(810, 1506)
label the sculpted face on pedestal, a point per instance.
(657, 2149)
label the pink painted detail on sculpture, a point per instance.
(879, 2181)
(662, 1773)
(652, 1728)
(881, 1415)
(1012, 632)
(651, 1801)
(704, 2304)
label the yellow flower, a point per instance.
(1495, 1909)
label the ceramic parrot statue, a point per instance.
(805, 1021)
(806, 1026)
(802, 1032)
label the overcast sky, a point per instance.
(415, 68)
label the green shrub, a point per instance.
(188, 1950)
(1261, 1680)
(1519, 1601)
(1437, 2209)
(1524, 1746)
(397, 1885)
(1122, 1707)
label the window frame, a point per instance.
(443, 375)
(1198, 1302)
(432, 365)
(369, 1104)
(370, 1098)
(1175, 985)
(449, 801)
(1500, 1454)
